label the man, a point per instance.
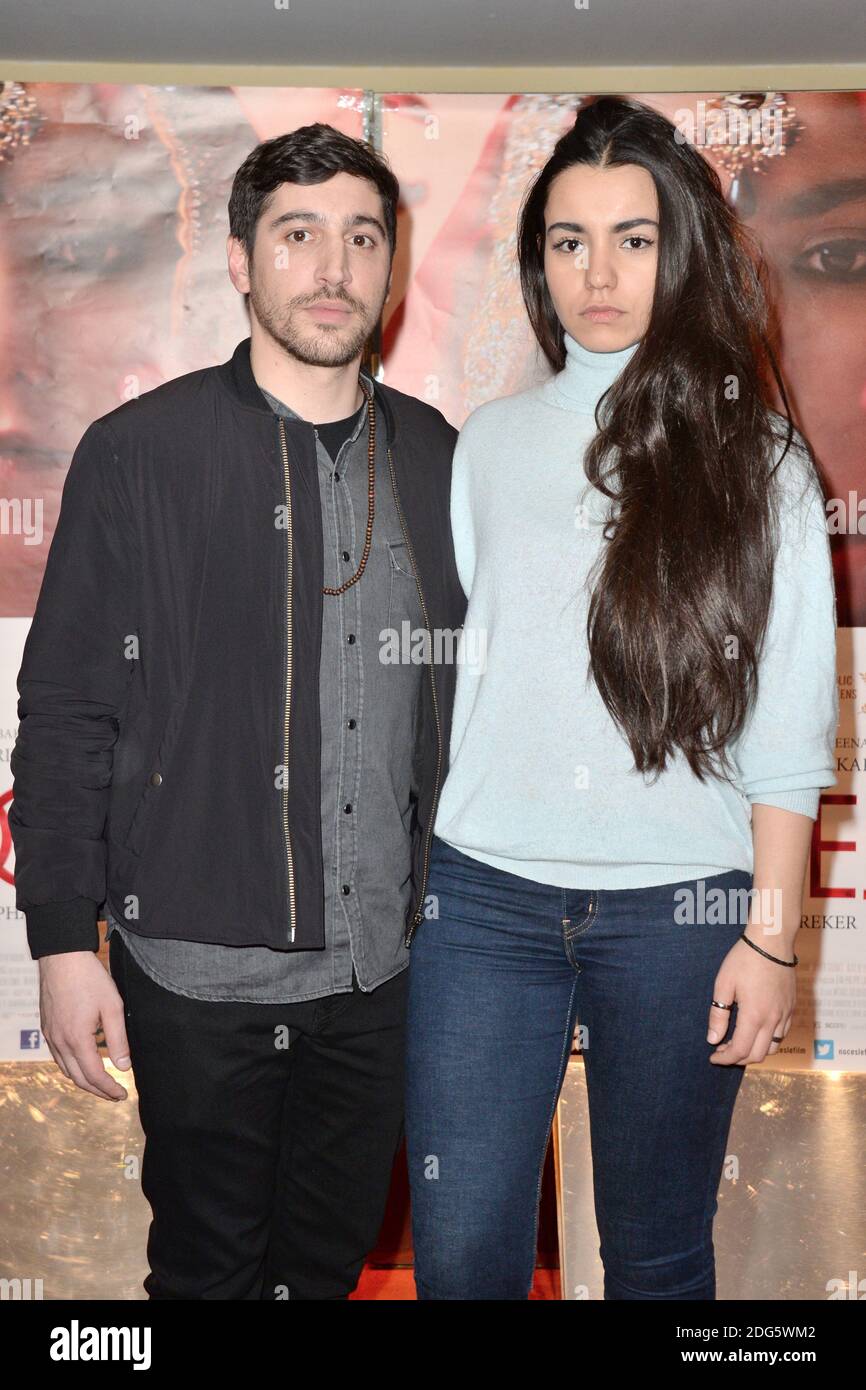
(210, 744)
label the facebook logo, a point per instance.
(824, 1050)
(31, 1039)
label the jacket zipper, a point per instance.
(286, 832)
(419, 911)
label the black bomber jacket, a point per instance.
(168, 747)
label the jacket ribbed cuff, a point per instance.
(56, 928)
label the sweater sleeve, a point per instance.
(785, 755)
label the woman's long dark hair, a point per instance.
(683, 587)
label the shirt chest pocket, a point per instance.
(403, 602)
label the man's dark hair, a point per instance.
(311, 154)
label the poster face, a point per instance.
(113, 279)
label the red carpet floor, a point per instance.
(393, 1284)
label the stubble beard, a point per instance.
(321, 346)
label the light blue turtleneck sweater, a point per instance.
(541, 783)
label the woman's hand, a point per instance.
(763, 991)
(765, 994)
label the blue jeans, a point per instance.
(497, 984)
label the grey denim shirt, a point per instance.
(368, 713)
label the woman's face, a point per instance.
(601, 253)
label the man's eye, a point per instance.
(362, 236)
(298, 232)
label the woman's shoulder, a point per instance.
(793, 465)
(501, 412)
(802, 509)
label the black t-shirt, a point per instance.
(334, 433)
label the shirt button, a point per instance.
(352, 723)
(346, 888)
(337, 477)
(351, 637)
(345, 554)
(348, 808)
(155, 779)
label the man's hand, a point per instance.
(76, 993)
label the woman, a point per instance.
(635, 766)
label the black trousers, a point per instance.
(266, 1166)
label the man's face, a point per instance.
(320, 269)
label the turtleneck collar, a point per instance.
(586, 375)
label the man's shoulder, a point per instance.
(412, 413)
(167, 405)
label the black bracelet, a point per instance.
(767, 953)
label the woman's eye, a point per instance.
(843, 260)
(570, 244)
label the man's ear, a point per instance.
(237, 264)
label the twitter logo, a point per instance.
(824, 1050)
